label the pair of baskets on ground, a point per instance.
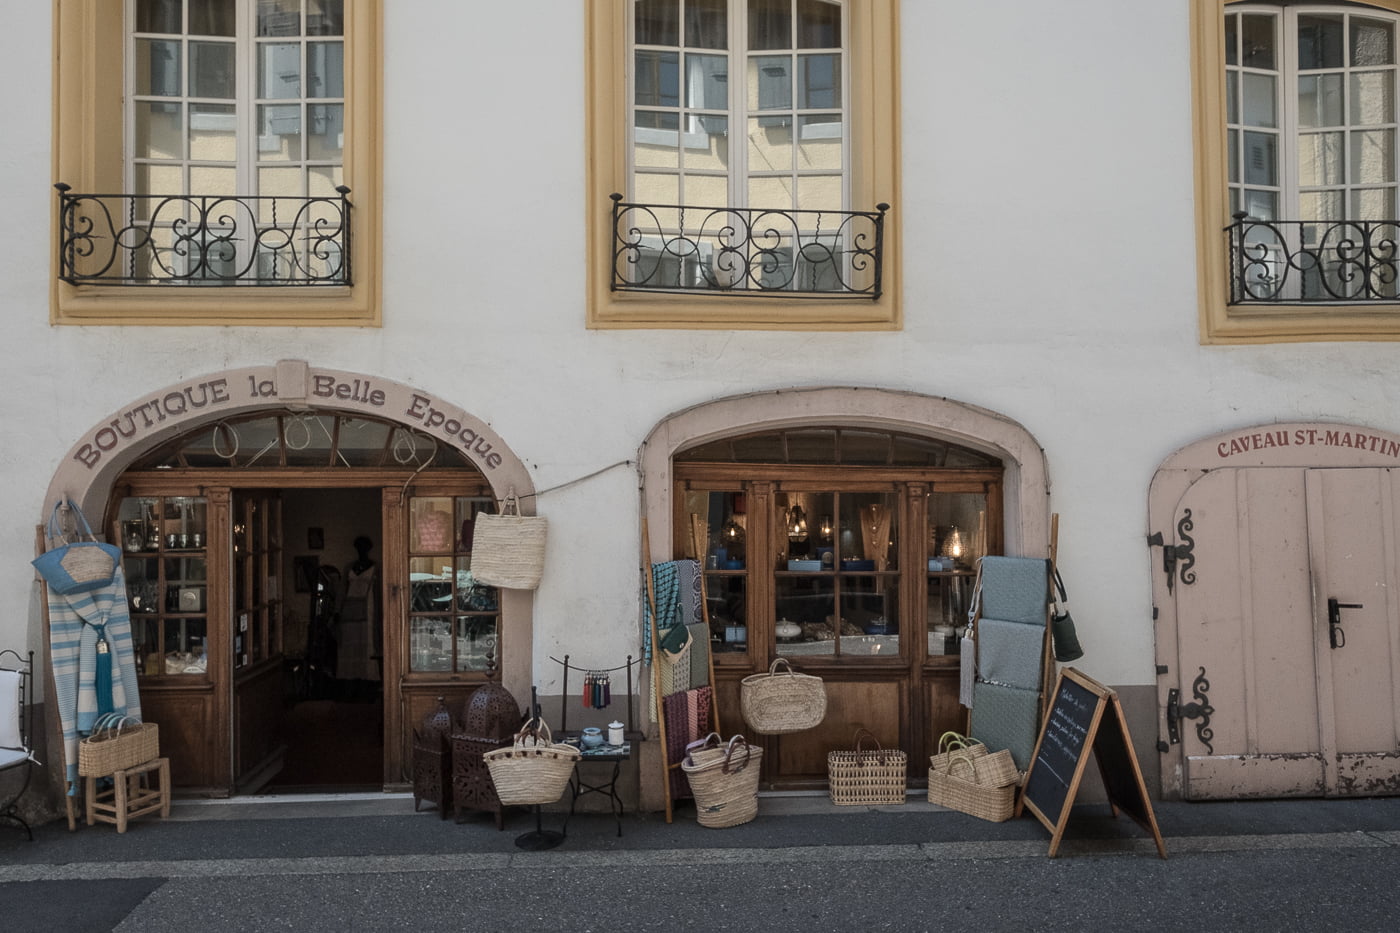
(965, 776)
(868, 774)
(780, 702)
(533, 769)
(117, 743)
(723, 779)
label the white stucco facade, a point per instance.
(1048, 277)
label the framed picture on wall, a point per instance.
(306, 569)
(315, 538)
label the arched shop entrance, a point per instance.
(839, 529)
(297, 553)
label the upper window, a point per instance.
(743, 163)
(221, 143)
(1299, 231)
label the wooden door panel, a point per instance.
(1244, 637)
(258, 717)
(183, 716)
(873, 705)
(1354, 550)
(942, 713)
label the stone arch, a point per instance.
(1027, 484)
(91, 466)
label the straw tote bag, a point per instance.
(508, 548)
(533, 769)
(80, 565)
(780, 702)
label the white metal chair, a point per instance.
(16, 731)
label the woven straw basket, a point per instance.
(959, 786)
(955, 743)
(995, 768)
(534, 769)
(88, 564)
(779, 702)
(723, 780)
(508, 549)
(866, 776)
(117, 744)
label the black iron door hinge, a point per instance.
(1200, 710)
(1178, 557)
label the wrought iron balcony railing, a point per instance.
(1313, 262)
(747, 251)
(139, 239)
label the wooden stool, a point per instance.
(130, 795)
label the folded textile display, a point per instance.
(1015, 589)
(699, 655)
(677, 592)
(687, 720)
(1006, 717)
(1010, 653)
(77, 622)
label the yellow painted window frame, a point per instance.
(1220, 323)
(87, 154)
(874, 51)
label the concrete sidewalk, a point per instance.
(380, 832)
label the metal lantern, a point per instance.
(432, 760)
(490, 722)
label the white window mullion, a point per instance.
(1289, 194)
(738, 103)
(244, 104)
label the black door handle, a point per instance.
(1335, 635)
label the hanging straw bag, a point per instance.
(723, 780)
(966, 785)
(534, 769)
(508, 548)
(866, 776)
(117, 743)
(80, 565)
(779, 702)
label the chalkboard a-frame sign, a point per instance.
(1084, 716)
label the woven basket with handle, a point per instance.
(533, 769)
(783, 701)
(723, 779)
(958, 786)
(866, 775)
(117, 743)
(508, 548)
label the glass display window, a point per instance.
(164, 540)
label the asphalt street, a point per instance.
(370, 863)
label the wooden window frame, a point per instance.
(1219, 322)
(88, 148)
(873, 104)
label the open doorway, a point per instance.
(332, 723)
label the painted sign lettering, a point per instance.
(183, 403)
(1308, 437)
(150, 414)
(423, 410)
(356, 390)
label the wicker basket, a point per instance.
(955, 743)
(723, 780)
(533, 769)
(117, 743)
(866, 776)
(958, 787)
(779, 702)
(508, 549)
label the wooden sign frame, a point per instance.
(1083, 716)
